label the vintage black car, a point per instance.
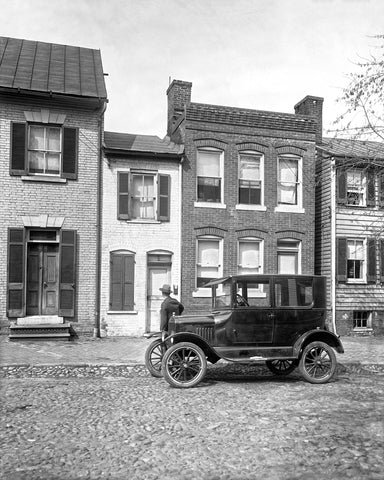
(276, 319)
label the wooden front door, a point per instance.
(157, 277)
(42, 279)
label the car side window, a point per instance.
(294, 292)
(254, 294)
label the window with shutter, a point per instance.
(341, 187)
(143, 196)
(371, 260)
(121, 281)
(16, 272)
(41, 149)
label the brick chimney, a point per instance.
(312, 106)
(179, 95)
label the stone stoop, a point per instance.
(47, 327)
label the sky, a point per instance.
(258, 54)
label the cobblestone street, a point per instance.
(232, 426)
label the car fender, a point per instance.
(172, 339)
(317, 335)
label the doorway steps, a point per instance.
(48, 327)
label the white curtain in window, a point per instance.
(249, 255)
(287, 263)
(288, 176)
(36, 138)
(54, 140)
(208, 259)
(355, 250)
(249, 167)
(208, 164)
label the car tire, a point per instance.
(153, 358)
(318, 363)
(184, 365)
(281, 367)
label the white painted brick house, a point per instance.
(140, 230)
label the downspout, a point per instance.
(180, 226)
(97, 329)
(333, 243)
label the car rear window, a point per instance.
(294, 292)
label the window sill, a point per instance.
(122, 312)
(356, 282)
(41, 178)
(257, 208)
(210, 205)
(287, 209)
(142, 221)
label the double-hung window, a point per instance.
(209, 172)
(143, 196)
(289, 184)
(44, 150)
(356, 260)
(356, 187)
(288, 256)
(209, 259)
(249, 256)
(250, 178)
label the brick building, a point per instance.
(52, 102)
(248, 190)
(141, 230)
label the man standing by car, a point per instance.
(169, 307)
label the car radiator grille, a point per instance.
(205, 332)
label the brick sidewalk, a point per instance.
(130, 351)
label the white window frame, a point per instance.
(155, 198)
(44, 151)
(298, 207)
(360, 189)
(369, 320)
(363, 278)
(203, 204)
(207, 291)
(286, 250)
(244, 206)
(255, 241)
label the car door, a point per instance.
(252, 320)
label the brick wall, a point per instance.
(75, 200)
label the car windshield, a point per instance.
(222, 295)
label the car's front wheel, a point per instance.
(281, 367)
(184, 365)
(153, 357)
(318, 362)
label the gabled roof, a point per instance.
(250, 118)
(32, 66)
(350, 148)
(131, 143)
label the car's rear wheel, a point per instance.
(184, 365)
(154, 356)
(318, 362)
(281, 367)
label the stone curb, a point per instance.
(126, 370)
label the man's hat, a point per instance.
(165, 288)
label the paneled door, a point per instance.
(42, 279)
(157, 276)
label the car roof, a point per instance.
(258, 276)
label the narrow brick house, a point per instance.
(52, 102)
(248, 190)
(350, 233)
(141, 230)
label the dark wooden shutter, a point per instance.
(371, 260)
(16, 274)
(341, 187)
(70, 153)
(164, 198)
(67, 273)
(341, 275)
(128, 282)
(123, 198)
(18, 149)
(121, 282)
(370, 188)
(381, 260)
